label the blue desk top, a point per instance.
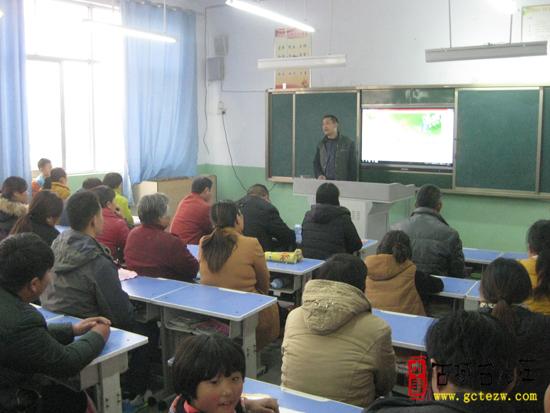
(305, 266)
(515, 255)
(119, 342)
(47, 314)
(301, 402)
(478, 256)
(369, 243)
(62, 228)
(407, 331)
(146, 289)
(455, 287)
(473, 294)
(216, 302)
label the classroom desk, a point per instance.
(62, 228)
(407, 331)
(473, 298)
(146, 289)
(104, 371)
(298, 401)
(480, 256)
(455, 287)
(515, 255)
(240, 308)
(47, 314)
(301, 272)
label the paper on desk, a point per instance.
(285, 410)
(257, 396)
(124, 274)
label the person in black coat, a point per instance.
(327, 228)
(262, 221)
(13, 200)
(43, 214)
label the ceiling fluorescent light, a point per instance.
(491, 51)
(1, 13)
(129, 31)
(302, 62)
(268, 14)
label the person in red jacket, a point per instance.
(115, 230)
(152, 251)
(192, 219)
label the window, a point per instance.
(75, 87)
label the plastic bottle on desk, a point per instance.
(277, 283)
(298, 232)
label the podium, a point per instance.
(369, 203)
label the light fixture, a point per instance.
(129, 31)
(1, 14)
(490, 51)
(330, 60)
(268, 14)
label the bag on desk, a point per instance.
(285, 257)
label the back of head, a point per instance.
(22, 258)
(57, 174)
(218, 246)
(345, 268)
(81, 209)
(200, 183)
(505, 282)
(428, 196)
(42, 162)
(104, 194)
(258, 190)
(112, 180)
(203, 357)
(398, 244)
(327, 193)
(470, 347)
(151, 208)
(45, 204)
(538, 240)
(90, 183)
(13, 184)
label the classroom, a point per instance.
(274, 206)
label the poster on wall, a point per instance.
(535, 23)
(292, 43)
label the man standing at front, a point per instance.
(335, 157)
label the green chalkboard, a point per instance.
(280, 135)
(545, 157)
(310, 108)
(497, 139)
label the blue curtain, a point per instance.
(14, 143)
(161, 94)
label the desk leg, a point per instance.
(249, 345)
(165, 351)
(305, 278)
(109, 395)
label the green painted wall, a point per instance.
(483, 222)
(75, 181)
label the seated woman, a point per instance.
(538, 266)
(393, 282)
(152, 251)
(43, 215)
(30, 346)
(115, 230)
(228, 259)
(13, 200)
(505, 285)
(327, 228)
(334, 347)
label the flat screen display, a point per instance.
(408, 137)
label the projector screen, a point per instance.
(421, 138)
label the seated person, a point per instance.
(208, 374)
(393, 282)
(327, 228)
(538, 266)
(436, 247)
(115, 229)
(468, 353)
(45, 167)
(30, 346)
(192, 218)
(42, 216)
(334, 338)
(262, 221)
(152, 251)
(90, 183)
(505, 285)
(57, 183)
(228, 259)
(114, 181)
(13, 203)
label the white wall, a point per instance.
(384, 41)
